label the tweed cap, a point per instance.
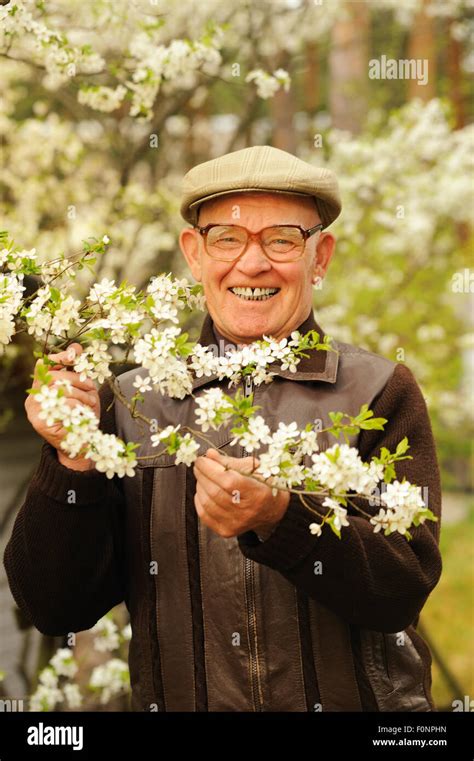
(260, 168)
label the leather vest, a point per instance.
(250, 617)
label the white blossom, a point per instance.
(212, 409)
(347, 472)
(48, 677)
(94, 362)
(308, 442)
(102, 98)
(11, 293)
(107, 635)
(339, 512)
(203, 361)
(168, 373)
(110, 679)
(66, 315)
(156, 438)
(404, 503)
(187, 451)
(258, 433)
(45, 698)
(100, 292)
(142, 384)
(268, 84)
(108, 453)
(63, 662)
(73, 695)
(39, 321)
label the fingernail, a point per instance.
(70, 354)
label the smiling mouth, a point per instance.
(254, 294)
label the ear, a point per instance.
(189, 244)
(324, 251)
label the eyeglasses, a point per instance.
(280, 243)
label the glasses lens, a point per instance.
(225, 241)
(281, 242)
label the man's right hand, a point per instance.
(83, 392)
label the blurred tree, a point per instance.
(422, 47)
(106, 105)
(312, 84)
(283, 112)
(454, 71)
(348, 65)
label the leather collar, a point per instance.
(318, 366)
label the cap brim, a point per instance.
(192, 211)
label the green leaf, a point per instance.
(333, 456)
(402, 447)
(333, 528)
(389, 473)
(55, 296)
(42, 374)
(377, 423)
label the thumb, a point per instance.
(243, 464)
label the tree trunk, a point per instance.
(312, 83)
(454, 72)
(282, 107)
(348, 67)
(422, 47)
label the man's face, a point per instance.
(243, 320)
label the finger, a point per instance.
(215, 455)
(202, 514)
(84, 397)
(57, 373)
(217, 462)
(228, 480)
(215, 472)
(242, 464)
(208, 465)
(68, 356)
(70, 403)
(73, 378)
(215, 491)
(202, 508)
(210, 508)
(198, 505)
(220, 457)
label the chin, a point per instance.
(253, 328)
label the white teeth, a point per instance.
(255, 294)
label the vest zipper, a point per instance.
(249, 577)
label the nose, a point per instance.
(253, 261)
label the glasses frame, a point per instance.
(203, 231)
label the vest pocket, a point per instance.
(395, 670)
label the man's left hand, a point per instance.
(231, 503)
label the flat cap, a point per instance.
(260, 168)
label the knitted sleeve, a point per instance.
(371, 580)
(64, 559)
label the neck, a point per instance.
(222, 338)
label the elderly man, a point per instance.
(234, 605)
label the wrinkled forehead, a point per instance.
(230, 204)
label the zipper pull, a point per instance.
(248, 385)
